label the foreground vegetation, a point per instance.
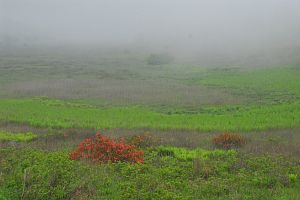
(181, 174)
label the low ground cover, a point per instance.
(57, 114)
(266, 84)
(37, 174)
(17, 137)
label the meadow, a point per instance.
(60, 114)
(222, 176)
(52, 100)
(275, 84)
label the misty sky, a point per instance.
(212, 24)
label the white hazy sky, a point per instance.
(239, 24)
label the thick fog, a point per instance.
(203, 26)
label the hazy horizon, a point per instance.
(232, 28)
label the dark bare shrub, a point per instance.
(144, 140)
(228, 141)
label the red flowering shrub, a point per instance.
(102, 149)
(228, 141)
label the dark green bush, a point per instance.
(159, 59)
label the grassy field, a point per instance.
(51, 100)
(114, 77)
(273, 84)
(60, 114)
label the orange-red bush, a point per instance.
(228, 141)
(102, 149)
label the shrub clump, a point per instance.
(159, 59)
(144, 140)
(228, 141)
(102, 149)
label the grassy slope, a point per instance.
(279, 83)
(53, 113)
(237, 177)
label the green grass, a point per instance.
(58, 114)
(277, 82)
(190, 154)
(259, 98)
(51, 175)
(18, 137)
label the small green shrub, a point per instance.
(165, 152)
(190, 154)
(293, 178)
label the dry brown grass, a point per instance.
(116, 77)
(285, 142)
(147, 92)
